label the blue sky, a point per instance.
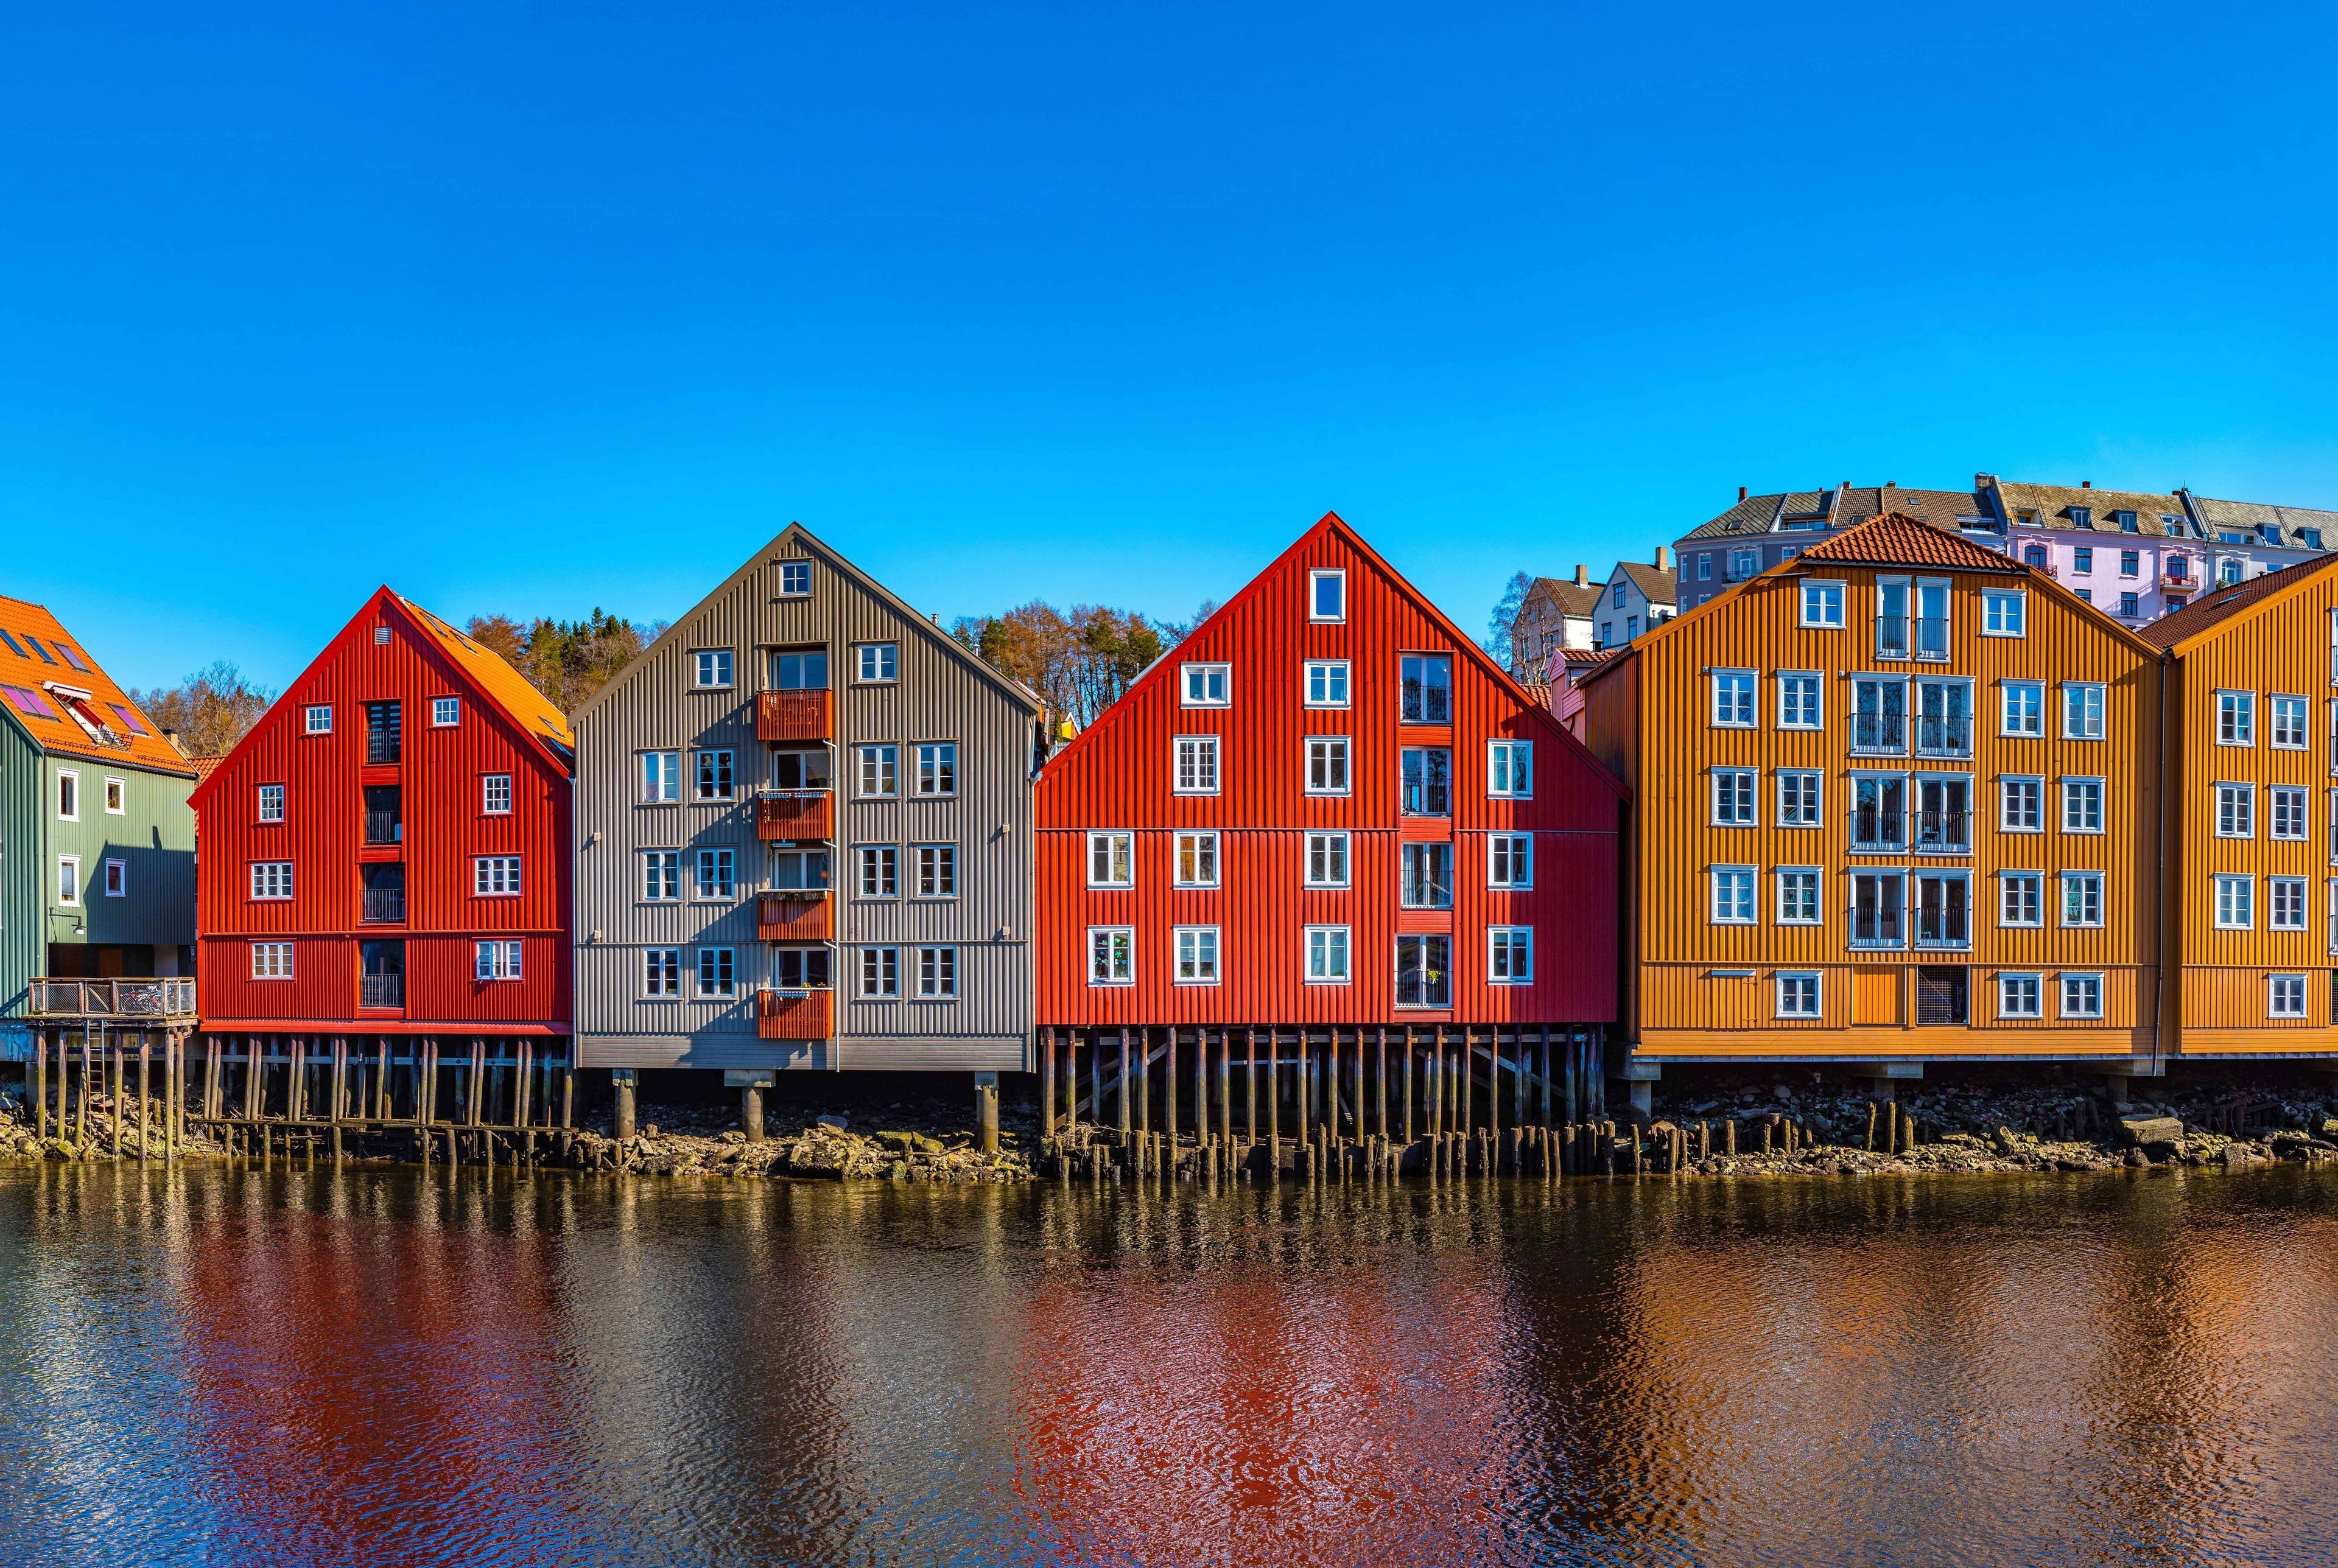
(534, 308)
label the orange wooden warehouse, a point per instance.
(1894, 799)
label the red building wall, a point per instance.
(439, 776)
(1118, 775)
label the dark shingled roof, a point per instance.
(1844, 506)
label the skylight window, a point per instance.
(129, 719)
(73, 657)
(29, 701)
(34, 644)
(14, 646)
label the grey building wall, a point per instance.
(942, 693)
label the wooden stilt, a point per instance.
(1250, 1085)
(145, 1120)
(1274, 1096)
(40, 1084)
(1169, 1094)
(1144, 1083)
(1408, 1085)
(1046, 1082)
(1126, 1089)
(1226, 1086)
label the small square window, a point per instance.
(879, 772)
(495, 794)
(1822, 605)
(446, 710)
(317, 719)
(2019, 996)
(1798, 994)
(1197, 955)
(2285, 996)
(1733, 698)
(1327, 955)
(880, 871)
(1112, 955)
(2005, 612)
(1509, 770)
(497, 960)
(880, 974)
(1509, 959)
(795, 578)
(1326, 860)
(937, 769)
(1196, 765)
(1327, 595)
(1326, 682)
(876, 663)
(1197, 860)
(1327, 764)
(1205, 685)
(1112, 860)
(2082, 995)
(711, 669)
(381, 636)
(271, 803)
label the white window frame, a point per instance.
(317, 719)
(496, 958)
(661, 876)
(2006, 714)
(2005, 798)
(2093, 982)
(660, 974)
(2242, 796)
(1509, 770)
(113, 877)
(1745, 795)
(2296, 887)
(68, 793)
(262, 802)
(1817, 879)
(1518, 939)
(1814, 682)
(1197, 946)
(1205, 672)
(1205, 752)
(937, 771)
(2237, 718)
(2074, 792)
(2034, 882)
(876, 663)
(937, 977)
(661, 768)
(264, 881)
(2275, 702)
(1815, 979)
(489, 873)
(1120, 854)
(2280, 799)
(1322, 938)
(488, 782)
(1119, 951)
(1328, 750)
(876, 977)
(1332, 842)
(2245, 905)
(2275, 985)
(795, 579)
(113, 795)
(1513, 852)
(2063, 884)
(877, 771)
(1318, 575)
(1751, 903)
(265, 957)
(2090, 715)
(1814, 595)
(446, 712)
(69, 886)
(877, 872)
(1329, 668)
(1199, 845)
(1753, 703)
(2037, 984)
(713, 669)
(1994, 600)
(1813, 780)
(935, 866)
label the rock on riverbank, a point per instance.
(903, 1143)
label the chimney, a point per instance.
(1892, 483)
(2086, 483)
(1740, 492)
(1983, 481)
(1663, 558)
(1582, 575)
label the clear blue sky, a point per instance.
(532, 308)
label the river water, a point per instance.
(385, 1367)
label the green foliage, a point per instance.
(567, 661)
(1079, 661)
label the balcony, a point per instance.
(795, 1015)
(383, 991)
(1879, 732)
(1892, 636)
(795, 814)
(383, 822)
(1949, 737)
(2176, 573)
(796, 916)
(167, 997)
(1931, 637)
(383, 907)
(1945, 828)
(795, 716)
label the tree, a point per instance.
(1502, 629)
(209, 710)
(1079, 661)
(567, 661)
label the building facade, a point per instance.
(385, 855)
(1759, 532)
(1557, 614)
(803, 837)
(1636, 598)
(1328, 809)
(1896, 798)
(97, 840)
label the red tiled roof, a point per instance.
(60, 679)
(2209, 609)
(1896, 539)
(205, 766)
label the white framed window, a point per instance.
(2287, 718)
(2082, 995)
(497, 960)
(317, 719)
(271, 880)
(936, 975)
(1327, 594)
(68, 796)
(1733, 894)
(113, 877)
(2237, 811)
(717, 775)
(937, 768)
(446, 712)
(1425, 877)
(1111, 859)
(1735, 796)
(718, 973)
(1799, 797)
(711, 669)
(877, 663)
(1197, 955)
(2018, 996)
(2237, 903)
(1509, 861)
(272, 960)
(661, 778)
(1197, 860)
(660, 876)
(1327, 764)
(1509, 770)
(1823, 604)
(1510, 958)
(2021, 899)
(2082, 804)
(1327, 955)
(715, 876)
(2020, 804)
(1112, 955)
(661, 974)
(69, 881)
(1196, 765)
(496, 875)
(2284, 902)
(2082, 899)
(880, 772)
(937, 867)
(1327, 860)
(1797, 993)
(1205, 685)
(2237, 718)
(795, 578)
(878, 870)
(2285, 995)
(2004, 613)
(271, 803)
(2021, 707)
(2082, 710)
(495, 794)
(1798, 700)
(114, 799)
(1324, 683)
(1798, 896)
(2285, 811)
(1733, 698)
(880, 974)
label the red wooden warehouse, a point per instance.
(383, 880)
(1327, 832)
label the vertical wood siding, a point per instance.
(1118, 775)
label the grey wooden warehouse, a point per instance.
(804, 839)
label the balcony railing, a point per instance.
(383, 907)
(795, 815)
(1931, 637)
(1875, 829)
(795, 715)
(1892, 636)
(170, 996)
(383, 827)
(1879, 732)
(1946, 737)
(795, 916)
(381, 989)
(2178, 575)
(1944, 829)
(807, 1014)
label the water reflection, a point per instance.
(295, 1366)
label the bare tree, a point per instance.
(1079, 661)
(209, 710)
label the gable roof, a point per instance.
(797, 534)
(1896, 539)
(1844, 506)
(86, 714)
(528, 707)
(1578, 600)
(2052, 503)
(1657, 585)
(2211, 611)
(2254, 518)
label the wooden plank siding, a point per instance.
(1118, 776)
(2275, 639)
(1699, 990)
(941, 693)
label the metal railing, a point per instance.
(1944, 828)
(383, 827)
(167, 996)
(1878, 732)
(383, 907)
(381, 989)
(1878, 828)
(1945, 735)
(1931, 637)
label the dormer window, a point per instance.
(2082, 517)
(2269, 532)
(2126, 522)
(2310, 537)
